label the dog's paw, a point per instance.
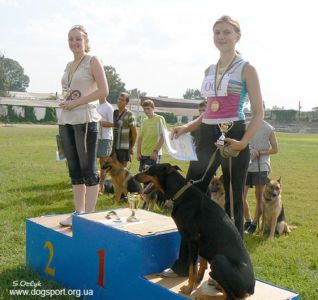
(186, 289)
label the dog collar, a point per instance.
(181, 191)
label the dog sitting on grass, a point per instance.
(217, 190)
(273, 218)
(123, 181)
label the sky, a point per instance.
(162, 47)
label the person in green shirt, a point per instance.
(150, 139)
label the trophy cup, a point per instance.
(224, 128)
(65, 93)
(133, 201)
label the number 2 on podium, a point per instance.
(48, 269)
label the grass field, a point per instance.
(32, 183)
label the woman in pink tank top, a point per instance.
(226, 86)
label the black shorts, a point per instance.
(256, 178)
(122, 155)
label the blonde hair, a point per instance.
(82, 29)
(231, 21)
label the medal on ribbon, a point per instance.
(215, 105)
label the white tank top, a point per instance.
(84, 82)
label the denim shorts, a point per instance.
(104, 147)
(81, 163)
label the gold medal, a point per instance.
(215, 105)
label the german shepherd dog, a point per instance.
(273, 218)
(123, 181)
(217, 190)
(207, 231)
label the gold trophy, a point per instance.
(224, 128)
(134, 200)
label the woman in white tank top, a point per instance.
(83, 83)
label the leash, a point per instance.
(181, 191)
(212, 159)
(231, 192)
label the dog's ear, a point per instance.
(176, 168)
(221, 178)
(267, 181)
(113, 155)
(169, 168)
(279, 180)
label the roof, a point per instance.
(179, 107)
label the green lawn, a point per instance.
(32, 184)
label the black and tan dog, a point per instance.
(217, 190)
(123, 181)
(273, 218)
(155, 197)
(208, 232)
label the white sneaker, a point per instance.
(169, 273)
(68, 220)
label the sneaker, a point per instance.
(251, 229)
(247, 224)
(68, 220)
(169, 273)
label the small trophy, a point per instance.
(133, 201)
(66, 92)
(224, 128)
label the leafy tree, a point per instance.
(193, 94)
(116, 86)
(4, 85)
(285, 115)
(135, 93)
(14, 72)
(169, 117)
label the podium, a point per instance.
(105, 259)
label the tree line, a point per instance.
(12, 78)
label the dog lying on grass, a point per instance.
(273, 218)
(208, 232)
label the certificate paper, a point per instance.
(181, 148)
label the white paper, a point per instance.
(181, 148)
